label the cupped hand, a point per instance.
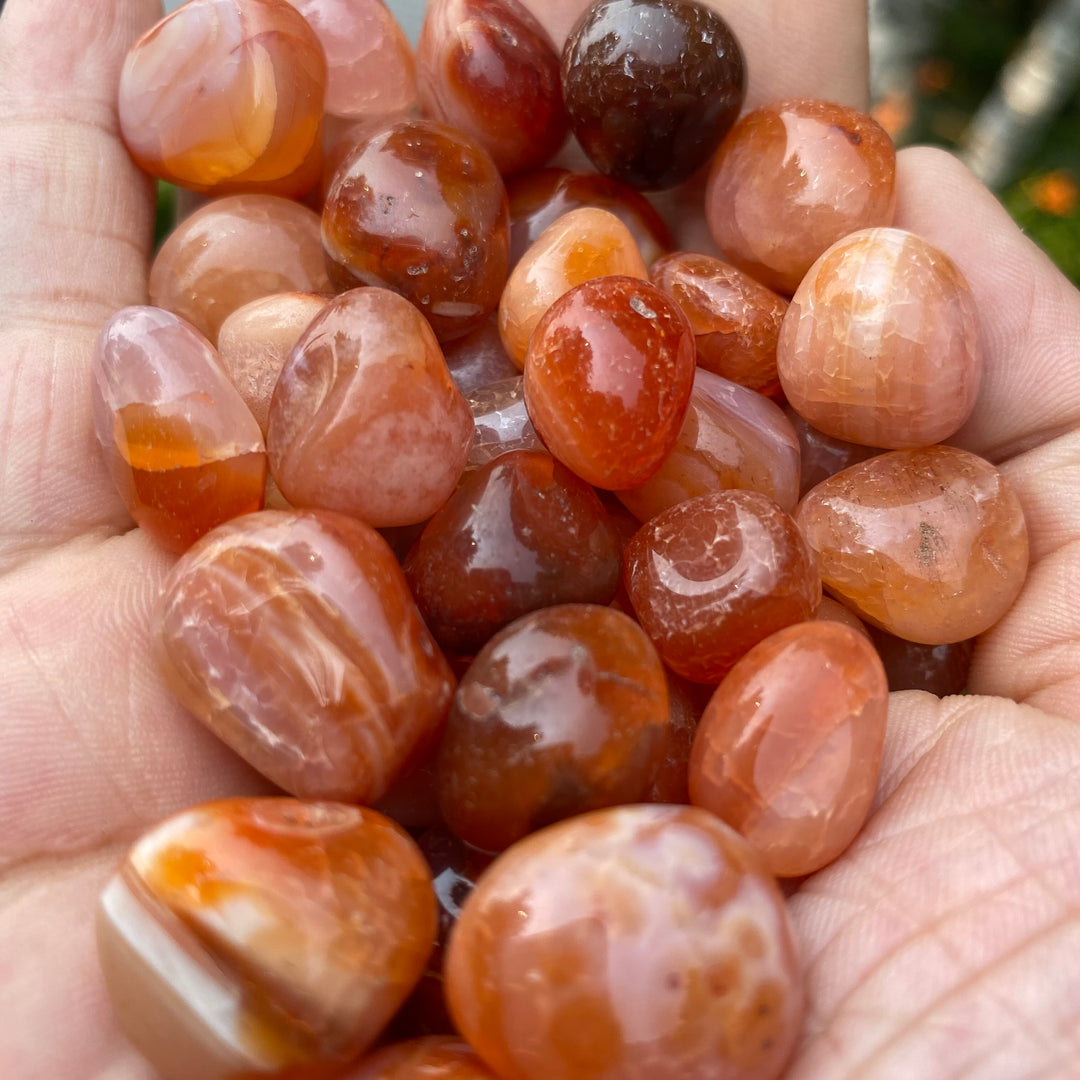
(942, 945)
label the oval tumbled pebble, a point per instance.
(293, 637)
(788, 750)
(264, 937)
(639, 941)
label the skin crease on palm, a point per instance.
(942, 945)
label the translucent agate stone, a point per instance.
(293, 637)
(938, 669)
(791, 179)
(365, 418)
(651, 86)
(479, 359)
(538, 198)
(608, 377)
(715, 575)
(833, 611)
(736, 320)
(880, 344)
(520, 533)
(264, 937)
(788, 750)
(369, 62)
(434, 1057)
(671, 780)
(820, 455)
(488, 68)
(421, 209)
(637, 942)
(581, 245)
(235, 250)
(227, 95)
(731, 437)
(502, 422)
(930, 545)
(183, 449)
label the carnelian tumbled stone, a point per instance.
(293, 637)
(420, 208)
(365, 418)
(227, 95)
(791, 179)
(637, 942)
(565, 710)
(501, 422)
(880, 343)
(264, 937)
(820, 455)
(183, 449)
(488, 68)
(788, 750)
(608, 377)
(432, 1057)
(713, 576)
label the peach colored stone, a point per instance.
(255, 340)
(233, 251)
(581, 245)
(833, 611)
(227, 95)
(788, 750)
(930, 544)
(880, 345)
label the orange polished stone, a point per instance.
(671, 780)
(235, 250)
(435, 1057)
(731, 437)
(566, 710)
(736, 320)
(264, 937)
(293, 637)
(488, 68)
(788, 750)
(791, 179)
(580, 246)
(227, 95)
(641, 942)
(183, 449)
(880, 344)
(608, 377)
(365, 418)
(255, 341)
(930, 544)
(713, 576)
(501, 422)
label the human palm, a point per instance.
(944, 944)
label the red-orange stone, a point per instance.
(715, 575)
(434, 1057)
(566, 710)
(608, 377)
(671, 781)
(788, 750)
(638, 943)
(421, 209)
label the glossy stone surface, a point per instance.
(880, 345)
(255, 341)
(235, 250)
(183, 449)
(370, 68)
(671, 779)
(227, 95)
(788, 750)
(293, 637)
(479, 359)
(538, 198)
(791, 179)
(608, 377)
(820, 455)
(715, 575)
(833, 611)
(421, 209)
(736, 320)
(262, 937)
(488, 68)
(501, 421)
(365, 418)
(520, 533)
(930, 544)
(651, 86)
(731, 438)
(578, 247)
(643, 942)
(434, 1057)
(937, 669)
(566, 710)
